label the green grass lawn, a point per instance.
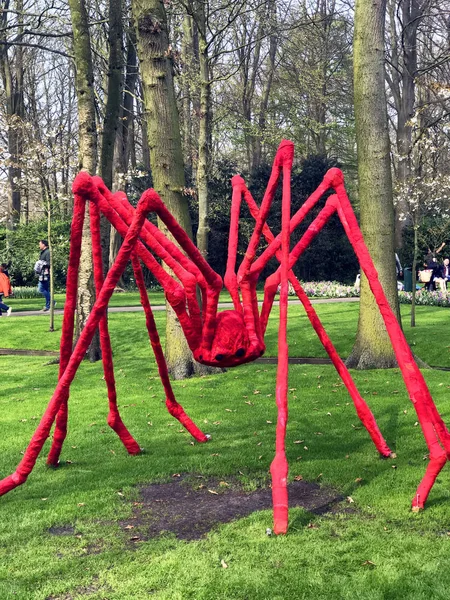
(380, 550)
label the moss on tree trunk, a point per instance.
(166, 158)
(373, 348)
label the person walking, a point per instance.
(5, 290)
(42, 269)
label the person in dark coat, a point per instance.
(436, 276)
(44, 273)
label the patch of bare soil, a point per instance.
(190, 508)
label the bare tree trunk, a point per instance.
(410, 18)
(51, 270)
(414, 271)
(111, 122)
(187, 58)
(273, 43)
(204, 140)
(84, 82)
(372, 348)
(123, 138)
(166, 158)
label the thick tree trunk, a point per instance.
(166, 158)
(372, 348)
(84, 82)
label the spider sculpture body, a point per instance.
(221, 339)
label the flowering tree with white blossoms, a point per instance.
(426, 193)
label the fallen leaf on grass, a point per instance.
(81, 504)
(129, 527)
(368, 563)
(176, 475)
(224, 564)
(298, 478)
(213, 492)
(358, 480)
(350, 499)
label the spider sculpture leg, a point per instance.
(65, 350)
(200, 335)
(435, 432)
(364, 413)
(62, 389)
(114, 419)
(108, 203)
(174, 408)
(247, 282)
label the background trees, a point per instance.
(243, 76)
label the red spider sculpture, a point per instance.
(228, 338)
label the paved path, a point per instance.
(114, 309)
